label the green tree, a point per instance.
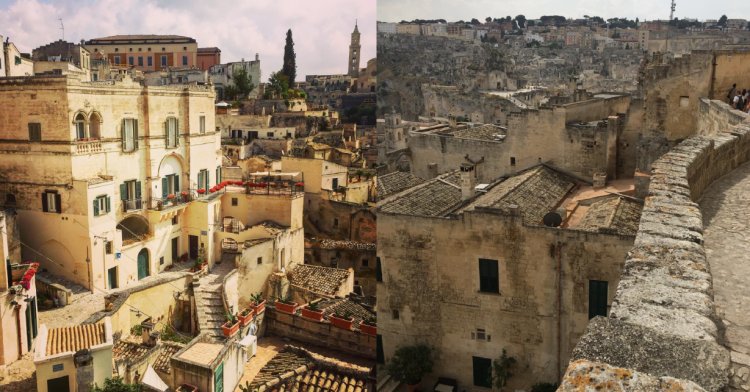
(502, 372)
(116, 385)
(241, 85)
(722, 21)
(290, 59)
(410, 363)
(278, 85)
(520, 21)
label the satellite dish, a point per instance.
(552, 219)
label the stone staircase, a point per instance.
(209, 305)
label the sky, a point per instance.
(321, 29)
(452, 10)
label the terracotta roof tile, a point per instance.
(72, 339)
(395, 182)
(436, 197)
(323, 280)
(163, 361)
(618, 214)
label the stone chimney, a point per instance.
(147, 327)
(468, 181)
(600, 180)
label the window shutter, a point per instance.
(218, 175)
(166, 133)
(176, 132)
(96, 207)
(58, 202)
(123, 191)
(9, 270)
(122, 133)
(135, 133)
(164, 186)
(208, 179)
(176, 183)
(45, 206)
(107, 202)
(137, 189)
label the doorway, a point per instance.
(143, 270)
(60, 384)
(193, 245)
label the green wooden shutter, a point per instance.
(45, 206)
(137, 189)
(208, 179)
(176, 132)
(96, 207)
(123, 191)
(122, 134)
(176, 183)
(107, 202)
(135, 133)
(218, 176)
(164, 186)
(200, 179)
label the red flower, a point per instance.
(300, 184)
(201, 191)
(170, 196)
(213, 189)
(183, 193)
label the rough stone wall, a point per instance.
(663, 320)
(431, 279)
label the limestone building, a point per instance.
(221, 75)
(146, 52)
(110, 179)
(208, 57)
(474, 269)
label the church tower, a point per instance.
(354, 53)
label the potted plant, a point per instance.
(312, 312)
(410, 363)
(231, 326)
(286, 305)
(170, 196)
(185, 196)
(246, 316)
(369, 326)
(343, 321)
(201, 191)
(259, 304)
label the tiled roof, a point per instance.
(73, 339)
(536, 192)
(618, 214)
(163, 362)
(344, 306)
(436, 197)
(296, 369)
(130, 352)
(395, 182)
(323, 280)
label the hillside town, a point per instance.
(173, 222)
(545, 215)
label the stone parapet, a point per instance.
(662, 332)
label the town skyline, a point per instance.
(319, 37)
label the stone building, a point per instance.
(62, 52)
(146, 52)
(106, 176)
(221, 76)
(520, 264)
(208, 57)
(354, 53)
(359, 256)
(13, 62)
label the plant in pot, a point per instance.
(246, 316)
(259, 304)
(341, 320)
(312, 311)
(369, 326)
(410, 363)
(231, 326)
(286, 305)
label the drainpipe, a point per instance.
(88, 268)
(558, 254)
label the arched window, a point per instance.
(80, 123)
(95, 122)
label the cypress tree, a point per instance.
(290, 63)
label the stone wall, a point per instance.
(663, 320)
(321, 334)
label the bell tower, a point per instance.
(354, 48)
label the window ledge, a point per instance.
(498, 294)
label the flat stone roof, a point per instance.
(202, 353)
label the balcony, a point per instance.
(132, 205)
(87, 146)
(274, 183)
(164, 203)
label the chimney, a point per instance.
(257, 57)
(146, 328)
(468, 181)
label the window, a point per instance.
(116, 59)
(18, 60)
(202, 122)
(51, 202)
(335, 222)
(101, 205)
(597, 298)
(489, 281)
(129, 134)
(482, 371)
(394, 314)
(512, 161)
(112, 277)
(269, 134)
(174, 220)
(184, 60)
(140, 61)
(130, 60)
(130, 194)
(35, 132)
(170, 129)
(235, 201)
(80, 123)
(161, 260)
(218, 175)
(163, 60)
(149, 60)
(203, 179)
(378, 270)
(170, 185)
(365, 262)
(108, 247)
(260, 260)
(480, 334)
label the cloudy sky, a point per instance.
(321, 29)
(452, 10)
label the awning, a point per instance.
(153, 381)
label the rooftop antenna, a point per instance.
(62, 27)
(671, 12)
